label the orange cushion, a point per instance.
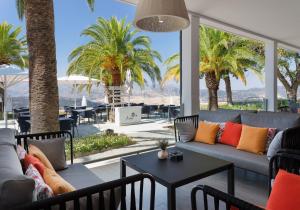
(231, 134)
(207, 132)
(285, 192)
(253, 139)
(29, 159)
(36, 152)
(56, 182)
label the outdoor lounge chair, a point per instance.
(288, 160)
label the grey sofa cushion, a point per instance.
(275, 145)
(81, 177)
(222, 115)
(279, 120)
(7, 136)
(54, 149)
(186, 131)
(241, 159)
(15, 188)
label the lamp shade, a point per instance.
(161, 15)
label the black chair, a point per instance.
(288, 160)
(89, 114)
(23, 123)
(74, 116)
(146, 110)
(66, 125)
(164, 111)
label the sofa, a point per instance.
(16, 189)
(241, 159)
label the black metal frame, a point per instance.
(194, 119)
(219, 197)
(99, 190)
(22, 139)
(286, 159)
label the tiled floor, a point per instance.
(249, 186)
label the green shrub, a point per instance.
(97, 143)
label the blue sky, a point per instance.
(72, 16)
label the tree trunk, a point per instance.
(212, 85)
(116, 81)
(228, 90)
(292, 94)
(43, 90)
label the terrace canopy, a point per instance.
(275, 22)
(9, 76)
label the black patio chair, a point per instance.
(89, 114)
(164, 111)
(66, 125)
(23, 123)
(74, 116)
(146, 110)
(288, 160)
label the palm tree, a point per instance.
(43, 90)
(13, 48)
(113, 49)
(244, 51)
(221, 54)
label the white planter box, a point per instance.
(128, 115)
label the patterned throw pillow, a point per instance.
(21, 152)
(41, 190)
(271, 134)
(220, 131)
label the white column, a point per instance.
(271, 75)
(190, 67)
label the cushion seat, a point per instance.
(253, 162)
(79, 176)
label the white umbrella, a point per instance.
(9, 76)
(76, 80)
(83, 101)
(128, 84)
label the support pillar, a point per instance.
(271, 75)
(190, 67)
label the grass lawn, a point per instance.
(93, 144)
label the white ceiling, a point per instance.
(275, 19)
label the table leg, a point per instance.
(230, 180)
(171, 198)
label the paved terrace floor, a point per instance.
(249, 186)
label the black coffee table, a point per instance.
(172, 174)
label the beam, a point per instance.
(271, 75)
(190, 67)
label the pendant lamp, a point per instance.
(161, 15)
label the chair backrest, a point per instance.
(89, 113)
(23, 124)
(74, 116)
(103, 202)
(22, 139)
(65, 125)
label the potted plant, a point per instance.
(163, 153)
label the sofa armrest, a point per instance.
(219, 197)
(194, 119)
(111, 201)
